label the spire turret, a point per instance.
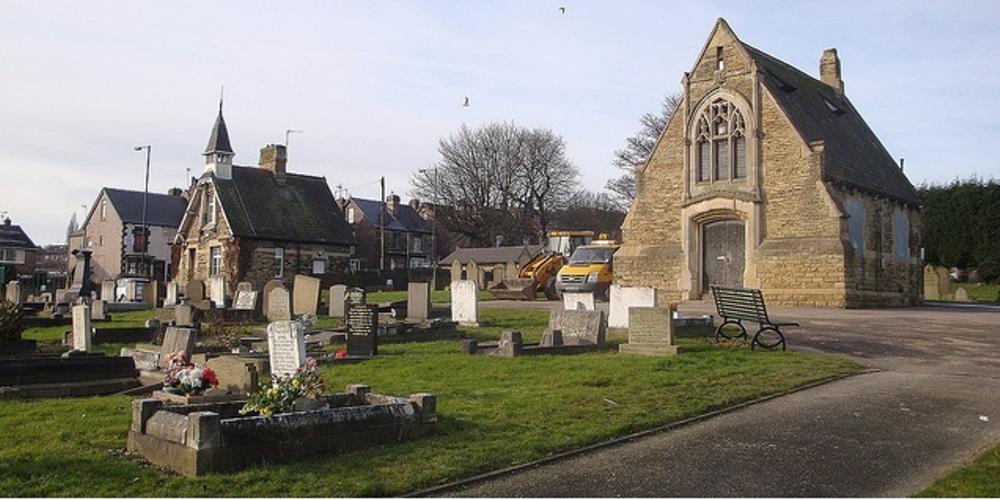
(219, 153)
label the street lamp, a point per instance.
(145, 197)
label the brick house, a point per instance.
(766, 177)
(259, 223)
(17, 252)
(408, 239)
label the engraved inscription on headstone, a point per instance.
(651, 332)
(279, 305)
(246, 300)
(362, 334)
(286, 345)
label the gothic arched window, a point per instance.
(721, 143)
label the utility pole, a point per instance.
(145, 231)
(381, 258)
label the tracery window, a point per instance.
(721, 143)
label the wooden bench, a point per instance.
(736, 305)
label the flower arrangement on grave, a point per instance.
(184, 377)
(341, 354)
(283, 391)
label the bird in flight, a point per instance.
(466, 104)
(562, 10)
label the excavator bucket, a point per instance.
(514, 289)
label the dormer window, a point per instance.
(721, 143)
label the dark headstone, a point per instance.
(362, 333)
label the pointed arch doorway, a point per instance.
(723, 253)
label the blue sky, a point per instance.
(374, 85)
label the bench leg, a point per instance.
(731, 330)
(768, 337)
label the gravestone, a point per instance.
(578, 301)
(244, 286)
(355, 296)
(279, 306)
(270, 285)
(336, 307)
(237, 375)
(176, 339)
(962, 295)
(622, 298)
(246, 300)
(650, 332)
(305, 295)
(99, 310)
(579, 327)
(362, 329)
(195, 291)
(14, 292)
(286, 346)
(80, 286)
(130, 291)
(217, 291)
(418, 301)
(511, 344)
(937, 282)
(173, 292)
(465, 302)
(81, 327)
(551, 338)
(186, 315)
(108, 291)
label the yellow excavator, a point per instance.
(539, 274)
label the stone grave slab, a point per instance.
(962, 295)
(176, 339)
(108, 290)
(651, 332)
(195, 291)
(99, 310)
(578, 301)
(279, 305)
(418, 301)
(622, 298)
(286, 346)
(336, 307)
(579, 327)
(82, 332)
(237, 375)
(173, 293)
(465, 302)
(245, 300)
(244, 286)
(270, 285)
(305, 295)
(362, 330)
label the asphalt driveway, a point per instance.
(930, 403)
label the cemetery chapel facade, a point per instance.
(768, 178)
(259, 224)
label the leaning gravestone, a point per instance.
(579, 327)
(278, 305)
(650, 332)
(305, 295)
(81, 327)
(286, 346)
(578, 301)
(362, 329)
(622, 298)
(418, 301)
(217, 291)
(465, 302)
(173, 291)
(336, 307)
(176, 339)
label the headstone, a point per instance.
(246, 300)
(14, 293)
(195, 291)
(176, 339)
(510, 345)
(61, 296)
(173, 292)
(244, 286)
(278, 305)
(336, 308)
(418, 301)
(186, 315)
(217, 291)
(579, 327)
(305, 295)
(286, 345)
(266, 291)
(80, 286)
(98, 310)
(651, 332)
(962, 295)
(81, 327)
(148, 293)
(362, 330)
(237, 375)
(578, 301)
(465, 302)
(130, 291)
(622, 298)
(551, 338)
(108, 291)
(355, 296)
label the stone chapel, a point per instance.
(766, 177)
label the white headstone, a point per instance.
(279, 305)
(173, 291)
(622, 298)
(578, 301)
(465, 302)
(108, 291)
(245, 300)
(336, 309)
(217, 291)
(286, 345)
(418, 300)
(81, 327)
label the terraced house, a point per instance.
(259, 223)
(769, 178)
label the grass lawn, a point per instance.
(493, 413)
(980, 479)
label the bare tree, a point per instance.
(499, 182)
(638, 149)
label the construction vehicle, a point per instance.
(589, 269)
(539, 274)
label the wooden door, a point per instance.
(722, 253)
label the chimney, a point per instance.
(274, 157)
(415, 204)
(829, 70)
(392, 204)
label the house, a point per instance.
(261, 223)
(112, 231)
(18, 253)
(769, 178)
(408, 239)
(489, 266)
(53, 260)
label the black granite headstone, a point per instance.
(362, 334)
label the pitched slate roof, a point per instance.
(161, 209)
(218, 142)
(300, 209)
(12, 236)
(491, 255)
(854, 156)
(406, 219)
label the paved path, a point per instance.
(931, 404)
